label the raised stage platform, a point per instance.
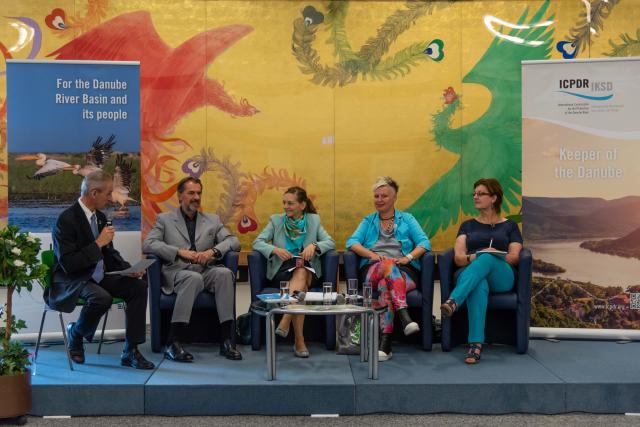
(555, 377)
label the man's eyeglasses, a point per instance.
(479, 194)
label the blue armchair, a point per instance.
(204, 317)
(419, 299)
(508, 313)
(260, 285)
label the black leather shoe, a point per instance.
(135, 359)
(177, 353)
(76, 349)
(228, 350)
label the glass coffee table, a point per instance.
(369, 321)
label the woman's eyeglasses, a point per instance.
(479, 194)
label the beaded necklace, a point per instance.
(387, 224)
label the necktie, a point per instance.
(98, 273)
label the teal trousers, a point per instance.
(487, 273)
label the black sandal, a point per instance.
(449, 307)
(474, 352)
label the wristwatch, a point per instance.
(217, 254)
(409, 256)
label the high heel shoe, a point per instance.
(282, 332)
(304, 353)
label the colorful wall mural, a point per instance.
(256, 96)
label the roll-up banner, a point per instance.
(66, 119)
(581, 194)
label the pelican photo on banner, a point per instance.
(66, 119)
(581, 203)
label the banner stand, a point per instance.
(584, 334)
(580, 199)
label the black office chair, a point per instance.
(204, 318)
(508, 313)
(419, 300)
(260, 285)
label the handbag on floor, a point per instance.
(348, 334)
(243, 329)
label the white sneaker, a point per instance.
(411, 328)
(382, 356)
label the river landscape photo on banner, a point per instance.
(66, 119)
(581, 203)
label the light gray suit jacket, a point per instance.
(170, 234)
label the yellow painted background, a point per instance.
(378, 127)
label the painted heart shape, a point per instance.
(435, 50)
(247, 224)
(312, 16)
(55, 20)
(567, 49)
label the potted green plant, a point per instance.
(19, 267)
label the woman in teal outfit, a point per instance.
(296, 233)
(483, 272)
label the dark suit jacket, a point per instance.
(76, 257)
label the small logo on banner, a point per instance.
(586, 89)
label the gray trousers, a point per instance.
(196, 278)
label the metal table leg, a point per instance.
(271, 347)
(373, 359)
(364, 337)
(370, 348)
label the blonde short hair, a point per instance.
(381, 181)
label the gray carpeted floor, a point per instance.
(369, 420)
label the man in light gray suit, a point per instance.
(190, 243)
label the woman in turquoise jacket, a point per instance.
(296, 234)
(390, 242)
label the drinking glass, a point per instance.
(352, 290)
(284, 290)
(367, 294)
(327, 293)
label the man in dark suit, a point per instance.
(82, 241)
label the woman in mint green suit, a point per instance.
(292, 243)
